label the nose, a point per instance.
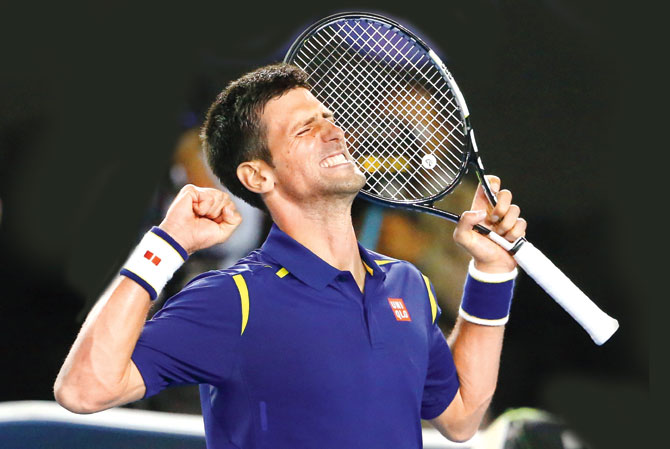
(332, 131)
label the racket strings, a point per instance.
(393, 78)
(380, 135)
(401, 118)
(396, 74)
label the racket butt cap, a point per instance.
(605, 332)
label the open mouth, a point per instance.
(335, 160)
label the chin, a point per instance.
(355, 183)
(349, 187)
(341, 185)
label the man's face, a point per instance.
(308, 150)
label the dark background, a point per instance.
(92, 99)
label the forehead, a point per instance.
(291, 108)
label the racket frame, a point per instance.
(471, 155)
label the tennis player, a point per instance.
(311, 341)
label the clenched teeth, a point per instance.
(333, 160)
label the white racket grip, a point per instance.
(597, 323)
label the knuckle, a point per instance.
(499, 211)
(519, 230)
(502, 228)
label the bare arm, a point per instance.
(98, 373)
(476, 348)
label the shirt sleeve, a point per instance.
(193, 339)
(441, 379)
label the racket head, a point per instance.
(403, 115)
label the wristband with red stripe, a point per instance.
(154, 261)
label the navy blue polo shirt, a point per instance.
(290, 354)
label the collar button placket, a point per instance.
(373, 290)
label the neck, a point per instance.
(326, 230)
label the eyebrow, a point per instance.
(325, 114)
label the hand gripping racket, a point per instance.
(408, 128)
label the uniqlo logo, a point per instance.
(153, 259)
(399, 310)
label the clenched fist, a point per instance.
(504, 219)
(200, 217)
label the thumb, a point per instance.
(470, 218)
(226, 223)
(231, 217)
(463, 231)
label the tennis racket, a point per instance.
(408, 128)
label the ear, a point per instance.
(256, 176)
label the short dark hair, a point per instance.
(233, 132)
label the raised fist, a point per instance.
(200, 217)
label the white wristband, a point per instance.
(482, 321)
(154, 261)
(491, 278)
